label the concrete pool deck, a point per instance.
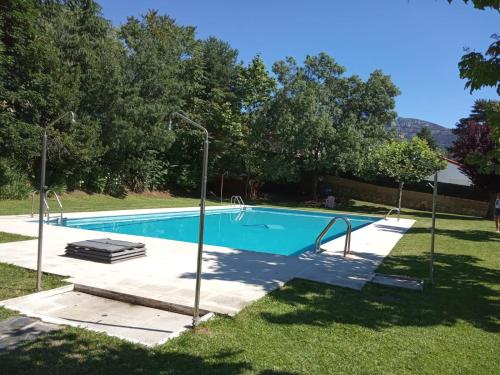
(232, 279)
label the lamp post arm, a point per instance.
(183, 116)
(60, 118)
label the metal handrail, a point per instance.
(347, 245)
(237, 200)
(33, 193)
(61, 211)
(390, 212)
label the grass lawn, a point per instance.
(16, 281)
(81, 202)
(305, 327)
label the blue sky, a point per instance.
(417, 42)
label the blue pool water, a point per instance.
(267, 230)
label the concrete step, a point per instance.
(132, 322)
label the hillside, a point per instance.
(409, 127)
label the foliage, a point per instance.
(124, 83)
(478, 69)
(406, 161)
(13, 183)
(425, 134)
(483, 4)
(478, 147)
(320, 121)
(482, 70)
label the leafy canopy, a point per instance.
(406, 161)
(321, 121)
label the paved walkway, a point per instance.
(19, 329)
(232, 279)
(65, 306)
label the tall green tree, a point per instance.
(406, 162)
(425, 134)
(213, 101)
(55, 58)
(137, 137)
(477, 147)
(321, 122)
(256, 88)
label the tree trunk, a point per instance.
(400, 195)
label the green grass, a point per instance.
(81, 202)
(305, 327)
(16, 281)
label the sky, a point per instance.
(417, 42)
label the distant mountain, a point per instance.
(409, 127)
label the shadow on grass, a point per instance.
(473, 235)
(74, 351)
(463, 291)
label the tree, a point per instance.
(482, 4)
(158, 53)
(478, 149)
(406, 162)
(56, 56)
(255, 90)
(482, 70)
(321, 122)
(425, 134)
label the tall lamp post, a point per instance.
(222, 184)
(433, 229)
(196, 313)
(43, 188)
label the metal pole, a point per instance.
(196, 316)
(433, 230)
(222, 185)
(43, 188)
(41, 212)
(196, 313)
(399, 199)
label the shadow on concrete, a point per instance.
(249, 267)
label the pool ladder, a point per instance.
(391, 211)
(237, 200)
(47, 207)
(347, 244)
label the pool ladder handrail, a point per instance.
(237, 200)
(46, 203)
(61, 210)
(395, 209)
(47, 208)
(347, 244)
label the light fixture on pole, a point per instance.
(43, 188)
(196, 313)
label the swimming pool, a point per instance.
(266, 230)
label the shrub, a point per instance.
(14, 184)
